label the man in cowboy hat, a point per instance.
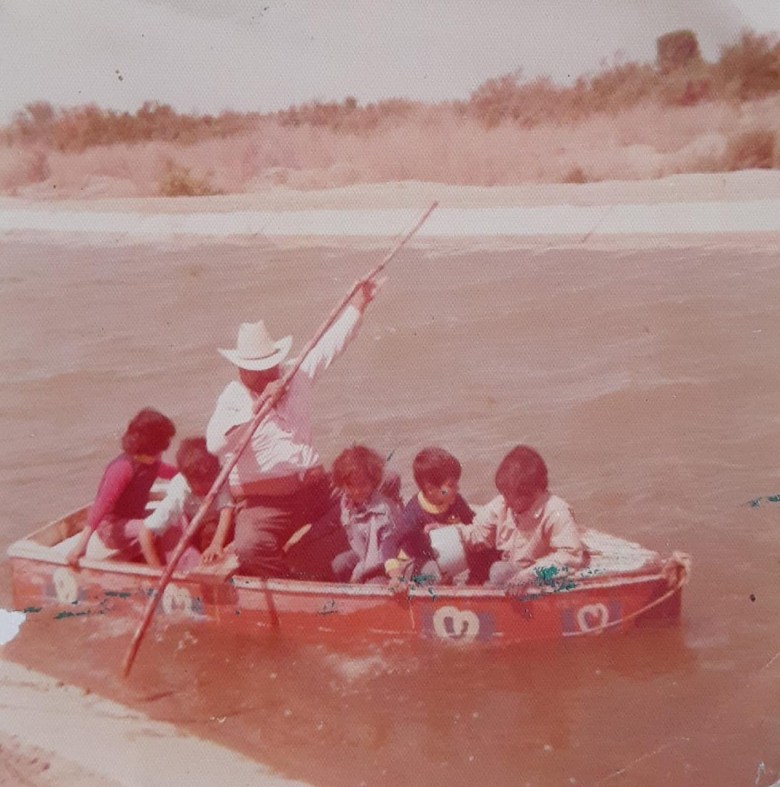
(278, 481)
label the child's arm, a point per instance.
(79, 548)
(482, 532)
(216, 548)
(148, 547)
(169, 510)
(114, 481)
(166, 471)
(565, 545)
(463, 511)
(566, 552)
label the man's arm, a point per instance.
(339, 335)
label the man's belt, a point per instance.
(281, 486)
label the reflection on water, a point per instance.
(648, 380)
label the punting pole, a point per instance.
(265, 407)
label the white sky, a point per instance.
(209, 55)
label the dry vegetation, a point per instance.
(629, 121)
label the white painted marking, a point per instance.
(592, 617)
(464, 624)
(10, 623)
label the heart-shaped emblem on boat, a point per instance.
(454, 623)
(592, 617)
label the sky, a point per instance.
(206, 56)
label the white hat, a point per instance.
(255, 349)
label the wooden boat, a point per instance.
(623, 585)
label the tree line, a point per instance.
(747, 70)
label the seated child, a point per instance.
(367, 515)
(438, 502)
(534, 530)
(161, 531)
(127, 481)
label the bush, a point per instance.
(751, 68)
(178, 182)
(750, 150)
(575, 175)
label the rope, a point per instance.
(678, 560)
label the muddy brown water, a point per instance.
(648, 379)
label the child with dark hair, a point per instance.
(437, 503)
(534, 530)
(368, 517)
(127, 481)
(161, 531)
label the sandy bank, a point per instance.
(55, 734)
(722, 186)
(731, 206)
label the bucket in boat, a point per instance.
(451, 555)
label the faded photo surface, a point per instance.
(321, 240)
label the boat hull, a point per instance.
(585, 604)
(322, 610)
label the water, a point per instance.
(647, 379)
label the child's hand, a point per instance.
(212, 554)
(398, 584)
(519, 584)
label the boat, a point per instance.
(623, 585)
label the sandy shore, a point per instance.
(714, 187)
(740, 208)
(56, 734)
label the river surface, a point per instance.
(649, 381)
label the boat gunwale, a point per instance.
(29, 549)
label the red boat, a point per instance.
(623, 584)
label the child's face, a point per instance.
(522, 501)
(358, 490)
(441, 494)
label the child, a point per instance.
(163, 528)
(124, 489)
(533, 529)
(438, 502)
(367, 515)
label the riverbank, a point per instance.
(54, 734)
(731, 208)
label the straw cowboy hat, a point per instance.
(255, 349)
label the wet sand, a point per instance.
(647, 378)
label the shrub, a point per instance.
(575, 175)
(178, 182)
(751, 68)
(750, 150)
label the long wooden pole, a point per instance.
(265, 407)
